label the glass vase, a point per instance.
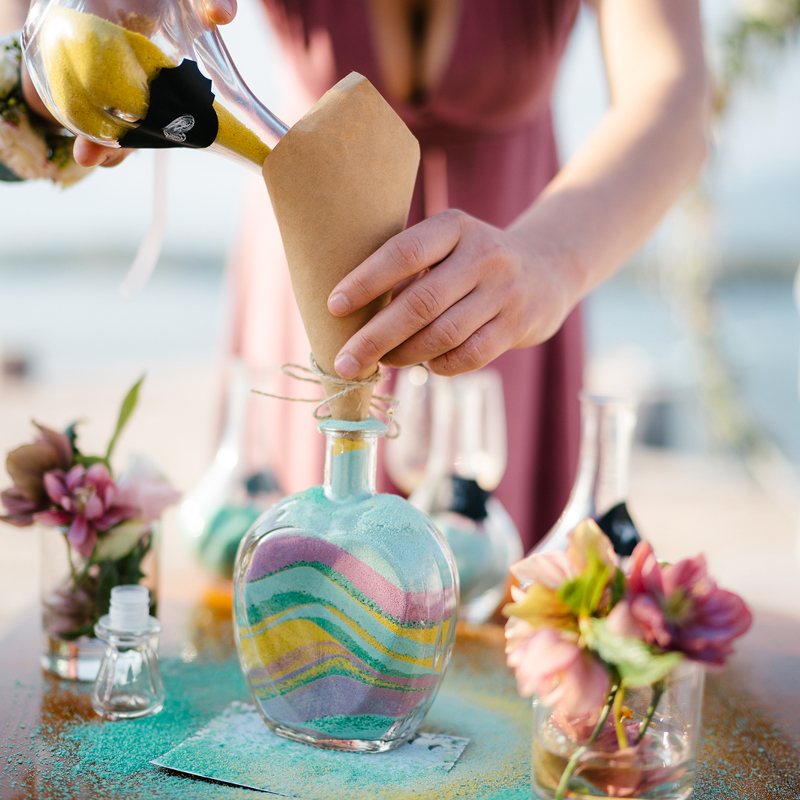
(466, 461)
(600, 491)
(76, 592)
(345, 604)
(657, 763)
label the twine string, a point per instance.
(381, 404)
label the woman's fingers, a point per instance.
(416, 307)
(220, 12)
(442, 316)
(484, 345)
(402, 257)
(447, 332)
(90, 154)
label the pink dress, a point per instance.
(487, 148)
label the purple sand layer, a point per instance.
(336, 695)
(283, 552)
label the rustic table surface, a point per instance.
(52, 745)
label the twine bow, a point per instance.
(382, 404)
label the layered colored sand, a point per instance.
(335, 644)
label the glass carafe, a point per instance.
(466, 461)
(406, 456)
(345, 604)
(232, 493)
(601, 486)
(154, 73)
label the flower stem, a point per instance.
(658, 690)
(576, 756)
(72, 572)
(622, 739)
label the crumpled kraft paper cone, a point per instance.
(340, 182)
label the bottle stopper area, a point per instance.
(130, 609)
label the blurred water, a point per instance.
(758, 331)
(68, 321)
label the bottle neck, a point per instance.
(606, 438)
(351, 459)
(468, 438)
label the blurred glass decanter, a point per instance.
(466, 461)
(232, 494)
(345, 603)
(406, 455)
(601, 486)
(154, 73)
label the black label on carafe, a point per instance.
(617, 524)
(467, 498)
(181, 111)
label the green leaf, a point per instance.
(635, 660)
(87, 461)
(106, 581)
(617, 588)
(71, 433)
(582, 594)
(120, 540)
(125, 411)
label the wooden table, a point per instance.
(750, 746)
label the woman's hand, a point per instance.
(464, 292)
(90, 154)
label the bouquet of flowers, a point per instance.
(107, 523)
(600, 647)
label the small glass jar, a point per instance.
(660, 766)
(128, 684)
(345, 604)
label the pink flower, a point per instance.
(563, 675)
(27, 466)
(554, 567)
(679, 607)
(87, 500)
(545, 573)
(144, 487)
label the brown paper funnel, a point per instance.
(341, 182)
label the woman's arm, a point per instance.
(473, 291)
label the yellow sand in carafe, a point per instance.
(95, 67)
(238, 138)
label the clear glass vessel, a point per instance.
(660, 766)
(601, 486)
(129, 683)
(232, 493)
(406, 456)
(466, 461)
(76, 593)
(153, 73)
(345, 605)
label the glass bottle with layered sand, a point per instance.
(148, 74)
(345, 605)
